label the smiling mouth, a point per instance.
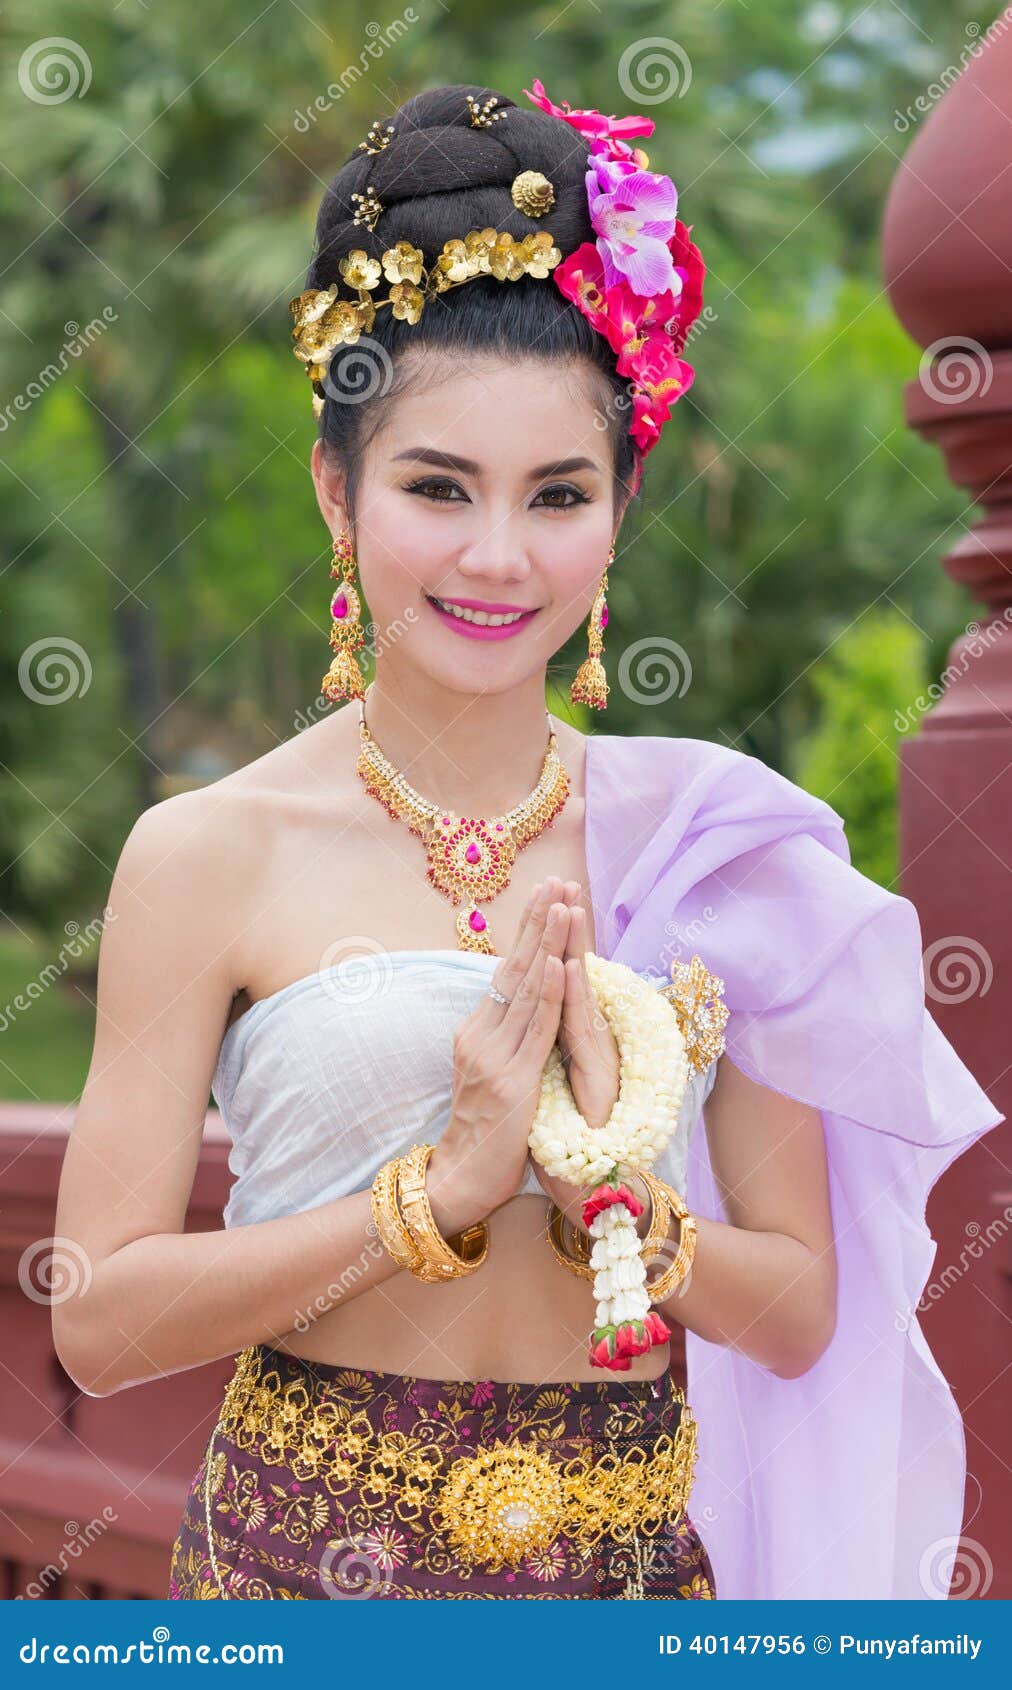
(483, 618)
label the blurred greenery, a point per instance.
(156, 502)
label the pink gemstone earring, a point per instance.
(344, 677)
(590, 684)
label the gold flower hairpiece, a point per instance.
(323, 322)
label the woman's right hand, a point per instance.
(499, 1054)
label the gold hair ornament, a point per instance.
(323, 322)
(482, 116)
(532, 193)
(379, 136)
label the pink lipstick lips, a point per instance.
(479, 630)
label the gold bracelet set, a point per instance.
(665, 1202)
(407, 1228)
(408, 1231)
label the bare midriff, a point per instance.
(519, 1316)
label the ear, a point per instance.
(329, 481)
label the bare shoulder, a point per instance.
(209, 848)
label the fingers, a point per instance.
(529, 935)
(578, 1003)
(551, 944)
(542, 1025)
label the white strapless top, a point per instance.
(323, 1081)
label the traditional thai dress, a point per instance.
(324, 1480)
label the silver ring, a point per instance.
(495, 993)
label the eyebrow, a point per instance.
(449, 460)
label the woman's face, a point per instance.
(489, 489)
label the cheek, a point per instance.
(404, 549)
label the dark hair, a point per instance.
(438, 177)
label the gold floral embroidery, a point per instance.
(580, 1493)
(350, 1475)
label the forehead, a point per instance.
(505, 411)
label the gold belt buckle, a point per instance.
(501, 1504)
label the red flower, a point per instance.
(603, 1196)
(632, 1339)
(688, 261)
(581, 278)
(659, 1333)
(660, 378)
(603, 1352)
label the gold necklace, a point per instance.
(470, 857)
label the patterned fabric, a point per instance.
(328, 1481)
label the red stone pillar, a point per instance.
(947, 260)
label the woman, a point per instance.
(487, 461)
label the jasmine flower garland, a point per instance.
(655, 1064)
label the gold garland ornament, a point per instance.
(657, 1049)
(323, 322)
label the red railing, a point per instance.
(91, 1488)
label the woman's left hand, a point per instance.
(589, 1052)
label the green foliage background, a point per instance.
(156, 501)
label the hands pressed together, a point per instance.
(500, 1050)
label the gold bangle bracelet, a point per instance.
(439, 1260)
(659, 1289)
(579, 1263)
(393, 1234)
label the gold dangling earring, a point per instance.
(590, 684)
(344, 677)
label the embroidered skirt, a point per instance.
(327, 1481)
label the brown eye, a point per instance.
(432, 487)
(577, 498)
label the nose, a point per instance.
(494, 556)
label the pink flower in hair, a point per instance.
(634, 213)
(640, 283)
(689, 266)
(660, 378)
(612, 132)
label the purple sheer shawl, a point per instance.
(848, 1481)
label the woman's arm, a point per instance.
(763, 1281)
(151, 1299)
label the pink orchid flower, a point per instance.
(634, 214)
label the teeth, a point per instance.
(482, 617)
